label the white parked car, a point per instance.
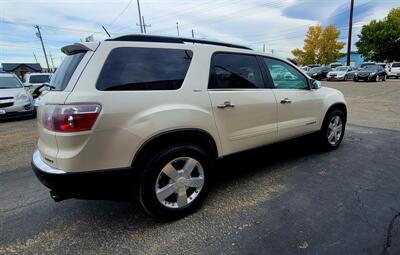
(343, 73)
(34, 80)
(148, 115)
(393, 70)
(15, 100)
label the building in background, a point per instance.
(20, 69)
(355, 59)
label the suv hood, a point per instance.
(10, 92)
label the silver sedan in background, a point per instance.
(342, 73)
(15, 100)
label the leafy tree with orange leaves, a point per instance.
(320, 46)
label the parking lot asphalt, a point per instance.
(288, 198)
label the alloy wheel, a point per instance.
(179, 182)
(335, 129)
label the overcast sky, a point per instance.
(280, 24)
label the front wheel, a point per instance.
(332, 130)
(175, 181)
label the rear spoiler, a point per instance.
(77, 47)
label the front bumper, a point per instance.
(23, 109)
(365, 78)
(111, 184)
(335, 78)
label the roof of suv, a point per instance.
(169, 39)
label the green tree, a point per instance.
(380, 39)
(320, 46)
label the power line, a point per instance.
(120, 14)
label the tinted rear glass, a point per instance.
(39, 78)
(67, 68)
(396, 65)
(144, 69)
(235, 71)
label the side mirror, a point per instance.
(315, 84)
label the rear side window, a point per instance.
(64, 73)
(144, 69)
(396, 65)
(235, 71)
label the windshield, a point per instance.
(9, 83)
(316, 69)
(43, 78)
(371, 67)
(64, 73)
(341, 69)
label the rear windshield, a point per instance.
(144, 69)
(396, 65)
(9, 83)
(39, 79)
(64, 73)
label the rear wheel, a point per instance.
(175, 181)
(332, 130)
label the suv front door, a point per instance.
(298, 106)
(244, 109)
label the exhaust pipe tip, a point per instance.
(57, 197)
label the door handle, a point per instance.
(286, 101)
(226, 105)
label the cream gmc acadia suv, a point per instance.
(146, 116)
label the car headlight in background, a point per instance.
(23, 96)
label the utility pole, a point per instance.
(272, 51)
(263, 47)
(38, 34)
(34, 55)
(140, 17)
(145, 25)
(177, 28)
(52, 62)
(350, 31)
(192, 33)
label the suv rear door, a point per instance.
(244, 109)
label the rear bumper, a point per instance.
(111, 184)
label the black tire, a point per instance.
(355, 79)
(148, 179)
(324, 132)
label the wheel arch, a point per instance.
(340, 106)
(184, 135)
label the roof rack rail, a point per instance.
(168, 39)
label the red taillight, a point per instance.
(70, 118)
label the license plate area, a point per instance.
(2, 111)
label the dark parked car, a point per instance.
(319, 73)
(370, 73)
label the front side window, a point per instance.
(144, 69)
(284, 76)
(235, 71)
